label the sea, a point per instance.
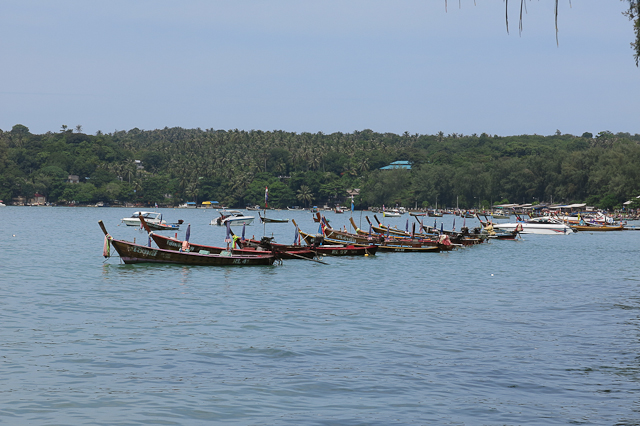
(544, 330)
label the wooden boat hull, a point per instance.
(411, 249)
(506, 236)
(590, 228)
(347, 237)
(348, 250)
(158, 227)
(336, 248)
(166, 243)
(399, 247)
(396, 236)
(268, 220)
(134, 253)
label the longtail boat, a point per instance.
(163, 227)
(502, 235)
(393, 232)
(345, 250)
(265, 219)
(334, 247)
(136, 253)
(385, 229)
(597, 228)
(397, 246)
(398, 237)
(318, 217)
(388, 243)
(411, 249)
(168, 243)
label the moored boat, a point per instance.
(540, 225)
(272, 220)
(149, 217)
(135, 253)
(234, 217)
(391, 213)
(168, 243)
(597, 228)
(168, 227)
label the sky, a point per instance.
(318, 66)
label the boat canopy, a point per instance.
(146, 214)
(571, 206)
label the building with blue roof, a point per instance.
(398, 165)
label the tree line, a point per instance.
(233, 167)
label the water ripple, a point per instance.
(543, 331)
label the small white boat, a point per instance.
(234, 217)
(500, 215)
(392, 213)
(149, 217)
(539, 225)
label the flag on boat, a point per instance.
(406, 228)
(442, 228)
(243, 228)
(188, 234)
(228, 239)
(352, 207)
(266, 196)
(320, 229)
(156, 205)
(454, 223)
(106, 249)
(324, 222)
(296, 237)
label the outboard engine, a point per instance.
(266, 242)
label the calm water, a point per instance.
(540, 331)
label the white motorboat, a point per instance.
(538, 225)
(392, 213)
(597, 218)
(149, 217)
(188, 205)
(234, 217)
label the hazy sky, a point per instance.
(309, 66)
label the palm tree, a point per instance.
(305, 195)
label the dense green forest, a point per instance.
(233, 167)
